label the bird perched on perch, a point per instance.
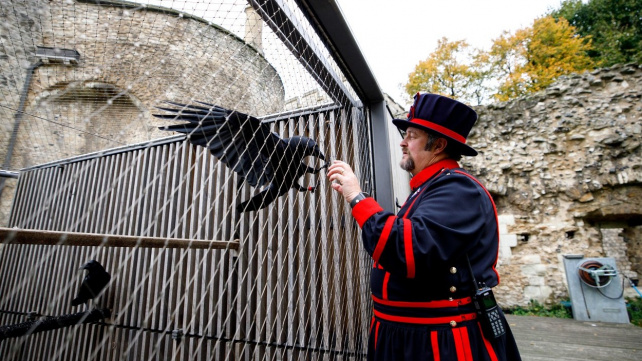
(93, 283)
(247, 146)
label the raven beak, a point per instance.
(317, 153)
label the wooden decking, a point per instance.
(555, 339)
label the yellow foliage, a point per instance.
(517, 64)
(532, 58)
(444, 72)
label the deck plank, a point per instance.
(547, 338)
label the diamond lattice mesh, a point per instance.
(191, 275)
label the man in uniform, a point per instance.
(433, 257)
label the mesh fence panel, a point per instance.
(191, 277)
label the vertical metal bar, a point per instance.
(158, 206)
(282, 320)
(112, 197)
(32, 211)
(75, 189)
(325, 256)
(288, 270)
(89, 218)
(173, 183)
(347, 245)
(18, 204)
(382, 170)
(47, 198)
(186, 188)
(147, 209)
(83, 200)
(135, 189)
(168, 190)
(313, 280)
(67, 188)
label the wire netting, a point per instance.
(191, 276)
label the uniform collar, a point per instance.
(430, 171)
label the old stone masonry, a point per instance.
(565, 168)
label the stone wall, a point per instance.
(131, 58)
(565, 168)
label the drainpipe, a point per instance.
(16, 125)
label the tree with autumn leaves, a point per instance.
(517, 64)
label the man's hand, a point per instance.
(344, 180)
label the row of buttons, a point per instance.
(453, 289)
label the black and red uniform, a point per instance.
(421, 284)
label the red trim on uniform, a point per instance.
(426, 320)
(427, 304)
(468, 353)
(489, 346)
(383, 238)
(372, 323)
(365, 209)
(441, 129)
(428, 172)
(407, 240)
(435, 345)
(496, 220)
(384, 288)
(413, 203)
(459, 347)
(376, 334)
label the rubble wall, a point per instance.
(565, 169)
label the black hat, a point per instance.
(443, 115)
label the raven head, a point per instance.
(305, 146)
(93, 265)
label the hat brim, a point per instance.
(465, 149)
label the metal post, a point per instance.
(384, 190)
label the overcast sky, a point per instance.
(396, 35)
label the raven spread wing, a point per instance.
(241, 141)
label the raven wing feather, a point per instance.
(241, 141)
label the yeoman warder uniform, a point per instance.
(421, 281)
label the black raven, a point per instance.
(248, 147)
(94, 282)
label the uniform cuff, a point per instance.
(364, 210)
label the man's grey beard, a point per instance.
(408, 164)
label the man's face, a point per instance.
(413, 146)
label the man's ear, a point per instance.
(440, 145)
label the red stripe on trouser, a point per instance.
(489, 347)
(459, 347)
(462, 344)
(376, 334)
(435, 345)
(468, 354)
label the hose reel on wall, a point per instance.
(595, 296)
(596, 274)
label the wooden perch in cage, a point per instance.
(53, 323)
(42, 237)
